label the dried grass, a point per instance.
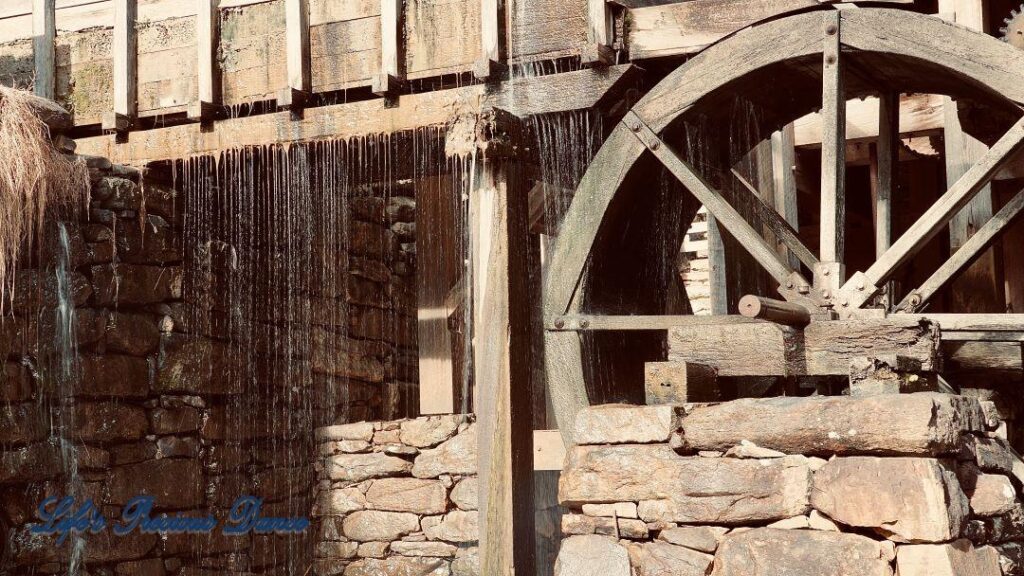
(34, 178)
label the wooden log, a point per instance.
(680, 382)
(833, 145)
(755, 349)
(579, 322)
(502, 366)
(126, 105)
(777, 311)
(44, 36)
(207, 45)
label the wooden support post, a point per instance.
(884, 167)
(296, 96)
(600, 32)
(783, 165)
(833, 150)
(502, 361)
(492, 41)
(44, 36)
(125, 68)
(390, 80)
(207, 43)
(717, 278)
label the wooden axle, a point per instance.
(778, 311)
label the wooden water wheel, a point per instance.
(786, 68)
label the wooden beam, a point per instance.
(972, 322)
(492, 40)
(919, 114)
(550, 94)
(725, 214)
(44, 36)
(600, 34)
(774, 221)
(391, 77)
(783, 168)
(126, 104)
(680, 382)
(583, 322)
(207, 46)
(833, 145)
(548, 450)
(502, 367)
(863, 286)
(883, 168)
(966, 254)
(297, 94)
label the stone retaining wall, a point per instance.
(398, 498)
(167, 389)
(921, 484)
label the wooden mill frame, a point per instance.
(852, 53)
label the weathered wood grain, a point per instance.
(884, 165)
(44, 31)
(207, 41)
(442, 36)
(832, 243)
(919, 114)
(830, 346)
(751, 349)
(126, 104)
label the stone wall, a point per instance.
(398, 498)
(920, 483)
(129, 367)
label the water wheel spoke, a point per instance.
(774, 221)
(833, 147)
(884, 164)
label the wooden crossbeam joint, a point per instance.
(488, 70)
(202, 112)
(500, 134)
(387, 85)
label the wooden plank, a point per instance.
(966, 254)
(600, 32)
(983, 336)
(297, 42)
(502, 368)
(994, 359)
(884, 167)
(920, 114)
(492, 39)
(973, 322)
(830, 346)
(718, 289)
(680, 382)
(958, 195)
(784, 180)
(44, 32)
(774, 221)
(725, 214)
(739, 349)
(833, 145)
(575, 322)
(442, 37)
(207, 45)
(125, 67)
(579, 90)
(548, 450)
(391, 59)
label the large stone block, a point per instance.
(663, 559)
(136, 284)
(592, 556)
(899, 424)
(455, 456)
(430, 431)
(905, 499)
(991, 495)
(196, 365)
(377, 526)
(173, 483)
(772, 552)
(465, 494)
(114, 375)
(456, 526)
(109, 421)
(22, 424)
(399, 566)
(359, 467)
(624, 424)
(29, 463)
(408, 495)
(673, 488)
(959, 558)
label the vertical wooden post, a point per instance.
(502, 364)
(207, 43)
(833, 159)
(125, 68)
(783, 164)
(600, 34)
(297, 94)
(980, 287)
(44, 37)
(492, 41)
(390, 79)
(884, 164)
(718, 283)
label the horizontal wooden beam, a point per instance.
(919, 114)
(571, 323)
(579, 90)
(972, 322)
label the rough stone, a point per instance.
(173, 483)
(900, 424)
(133, 284)
(794, 523)
(700, 538)
(134, 334)
(108, 421)
(770, 552)
(22, 424)
(455, 456)
(747, 449)
(592, 556)
(624, 424)
(1011, 558)
(991, 495)
(467, 562)
(29, 463)
(407, 495)
(689, 490)
(663, 559)
(818, 521)
(959, 558)
(195, 365)
(618, 509)
(465, 494)
(429, 549)
(376, 526)
(456, 526)
(373, 549)
(113, 375)
(175, 420)
(579, 524)
(359, 467)
(357, 431)
(429, 432)
(341, 501)
(995, 455)
(906, 499)
(399, 566)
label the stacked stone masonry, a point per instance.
(913, 484)
(153, 402)
(398, 498)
